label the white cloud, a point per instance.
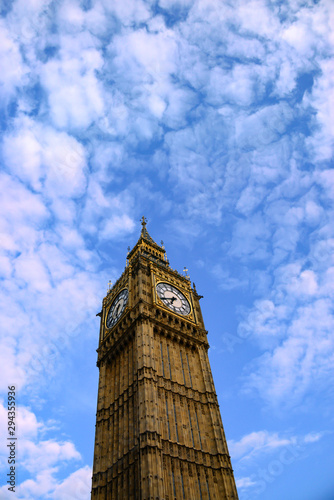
(244, 482)
(245, 48)
(40, 155)
(30, 269)
(264, 126)
(250, 198)
(304, 284)
(130, 12)
(157, 105)
(22, 152)
(119, 206)
(313, 437)
(75, 487)
(28, 207)
(264, 322)
(36, 454)
(180, 102)
(257, 442)
(145, 55)
(117, 226)
(43, 282)
(44, 454)
(71, 17)
(302, 361)
(250, 239)
(74, 92)
(321, 99)
(326, 180)
(234, 85)
(254, 16)
(226, 280)
(167, 4)
(217, 101)
(13, 70)
(42, 460)
(286, 81)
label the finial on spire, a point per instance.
(109, 285)
(143, 221)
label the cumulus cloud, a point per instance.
(42, 459)
(75, 487)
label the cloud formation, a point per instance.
(218, 119)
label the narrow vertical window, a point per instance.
(177, 434)
(199, 432)
(191, 427)
(129, 366)
(183, 494)
(184, 378)
(174, 490)
(199, 487)
(191, 383)
(162, 360)
(135, 482)
(207, 485)
(167, 418)
(115, 380)
(170, 368)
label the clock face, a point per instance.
(117, 308)
(173, 298)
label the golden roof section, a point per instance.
(147, 247)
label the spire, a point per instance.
(147, 247)
(144, 233)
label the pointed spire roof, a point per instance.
(144, 233)
(147, 246)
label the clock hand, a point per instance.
(169, 298)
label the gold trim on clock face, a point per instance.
(117, 308)
(172, 298)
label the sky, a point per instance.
(215, 120)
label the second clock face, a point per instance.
(173, 298)
(117, 308)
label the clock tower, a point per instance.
(159, 433)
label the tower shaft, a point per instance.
(159, 433)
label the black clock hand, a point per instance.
(169, 298)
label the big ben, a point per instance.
(159, 433)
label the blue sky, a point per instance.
(214, 119)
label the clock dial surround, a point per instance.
(172, 298)
(117, 308)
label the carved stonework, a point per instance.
(158, 426)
